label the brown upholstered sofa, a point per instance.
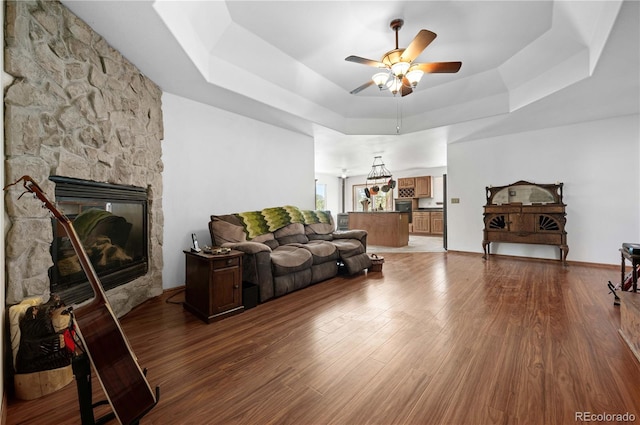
(287, 248)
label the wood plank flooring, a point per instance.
(436, 338)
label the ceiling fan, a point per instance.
(401, 74)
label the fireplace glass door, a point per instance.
(111, 223)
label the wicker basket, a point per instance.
(376, 263)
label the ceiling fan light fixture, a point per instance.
(380, 79)
(400, 72)
(394, 85)
(414, 77)
(399, 69)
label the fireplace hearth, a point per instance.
(111, 222)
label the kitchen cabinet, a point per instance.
(406, 182)
(415, 187)
(421, 222)
(430, 222)
(437, 222)
(423, 187)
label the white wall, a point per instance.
(217, 162)
(597, 162)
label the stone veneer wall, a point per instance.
(76, 108)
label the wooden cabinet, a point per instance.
(421, 221)
(525, 213)
(415, 187)
(406, 187)
(437, 222)
(407, 182)
(423, 187)
(213, 286)
(431, 222)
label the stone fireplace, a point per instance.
(75, 108)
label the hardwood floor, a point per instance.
(436, 338)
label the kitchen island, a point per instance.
(384, 228)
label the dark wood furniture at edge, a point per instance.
(213, 286)
(635, 260)
(526, 213)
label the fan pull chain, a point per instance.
(398, 115)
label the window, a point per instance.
(383, 201)
(321, 196)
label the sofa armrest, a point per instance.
(247, 247)
(256, 266)
(357, 234)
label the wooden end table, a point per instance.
(213, 285)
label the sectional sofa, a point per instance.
(286, 248)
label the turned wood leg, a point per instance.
(564, 251)
(486, 248)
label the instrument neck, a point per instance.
(100, 297)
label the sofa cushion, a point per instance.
(322, 251)
(319, 229)
(292, 233)
(289, 259)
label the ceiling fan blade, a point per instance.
(406, 87)
(438, 67)
(417, 45)
(369, 62)
(362, 87)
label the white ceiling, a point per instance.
(525, 65)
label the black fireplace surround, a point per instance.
(111, 222)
